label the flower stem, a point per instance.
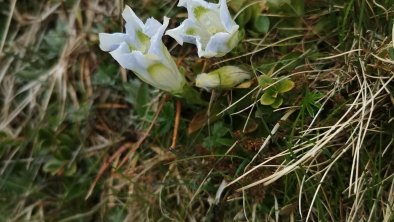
(176, 124)
(191, 95)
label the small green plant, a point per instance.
(218, 137)
(55, 166)
(310, 102)
(272, 95)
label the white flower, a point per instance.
(141, 50)
(225, 77)
(209, 26)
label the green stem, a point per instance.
(191, 95)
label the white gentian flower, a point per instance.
(225, 77)
(209, 26)
(141, 50)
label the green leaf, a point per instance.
(325, 24)
(219, 129)
(298, 7)
(261, 24)
(225, 141)
(267, 65)
(218, 137)
(142, 99)
(265, 80)
(192, 96)
(244, 17)
(273, 92)
(58, 167)
(131, 88)
(310, 102)
(278, 102)
(106, 75)
(267, 99)
(71, 170)
(285, 85)
(53, 166)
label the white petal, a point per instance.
(202, 3)
(134, 61)
(218, 44)
(212, 28)
(151, 26)
(157, 47)
(201, 50)
(122, 56)
(177, 33)
(156, 42)
(133, 23)
(192, 4)
(110, 42)
(182, 3)
(225, 16)
(222, 43)
(187, 31)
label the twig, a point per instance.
(176, 124)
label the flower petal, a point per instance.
(188, 32)
(197, 7)
(225, 16)
(182, 3)
(133, 23)
(209, 26)
(218, 44)
(158, 49)
(110, 42)
(151, 26)
(177, 33)
(142, 51)
(134, 61)
(162, 76)
(170, 72)
(156, 42)
(190, 4)
(151, 70)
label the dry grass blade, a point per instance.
(330, 134)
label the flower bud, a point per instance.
(225, 77)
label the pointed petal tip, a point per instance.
(127, 10)
(175, 34)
